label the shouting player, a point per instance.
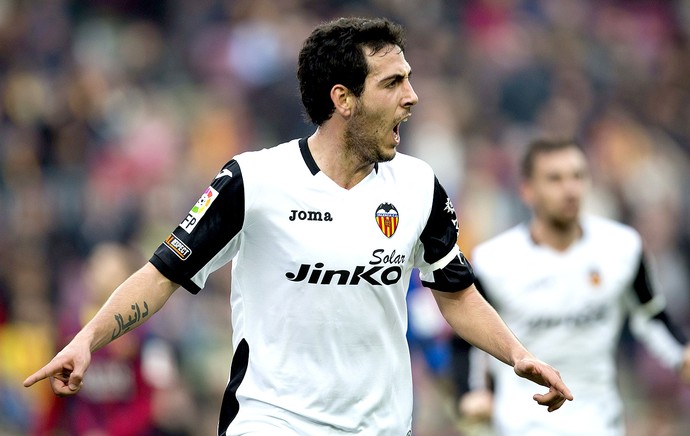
(323, 233)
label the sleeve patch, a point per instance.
(178, 247)
(199, 209)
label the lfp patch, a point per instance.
(387, 218)
(199, 209)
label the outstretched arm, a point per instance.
(473, 318)
(129, 306)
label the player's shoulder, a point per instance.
(412, 167)
(404, 159)
(275, 155)
(516, 235)
(610, 232)
(506, 243)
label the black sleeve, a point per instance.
(644, 294)
(439, 237)
(210, 225)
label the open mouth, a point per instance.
(396, 129)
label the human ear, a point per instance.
(527, 192)
(343, 100)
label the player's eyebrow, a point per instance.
(395, 77)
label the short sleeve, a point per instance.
(444, 266)
(207, 238)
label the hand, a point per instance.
(65, 371)
(543, 374)
(685, 366)
(476, 405)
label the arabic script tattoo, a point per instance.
(136, 316)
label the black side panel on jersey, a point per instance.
(460, 365)
(643, 289)
(438, 238)
(186, 251)
(644, 293)
(230, 407)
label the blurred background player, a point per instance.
(565, 282)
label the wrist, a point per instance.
(521, 354)
(84, 339)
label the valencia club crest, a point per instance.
(387, 218)
(594, 278)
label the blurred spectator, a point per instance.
(130, 383)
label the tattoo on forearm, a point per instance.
(132, 320)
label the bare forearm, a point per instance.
(473, 318)
(478, 323)
(129, 306)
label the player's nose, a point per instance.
(411, 97)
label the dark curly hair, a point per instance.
(334, 54)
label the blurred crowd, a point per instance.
(116, 114)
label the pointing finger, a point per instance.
(39, 375)
(562, 389)
(56, 368)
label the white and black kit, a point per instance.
(319, 278)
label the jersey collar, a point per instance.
(309, 159)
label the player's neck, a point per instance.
(557, 237)
(327, 150)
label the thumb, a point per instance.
(76, 379)
(525, 368)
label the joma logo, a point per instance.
(310, 215)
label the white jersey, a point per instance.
(568, 308)
(319, 279)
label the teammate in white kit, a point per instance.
(564, 284)
(323, 233)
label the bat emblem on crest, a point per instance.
(387, 218)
